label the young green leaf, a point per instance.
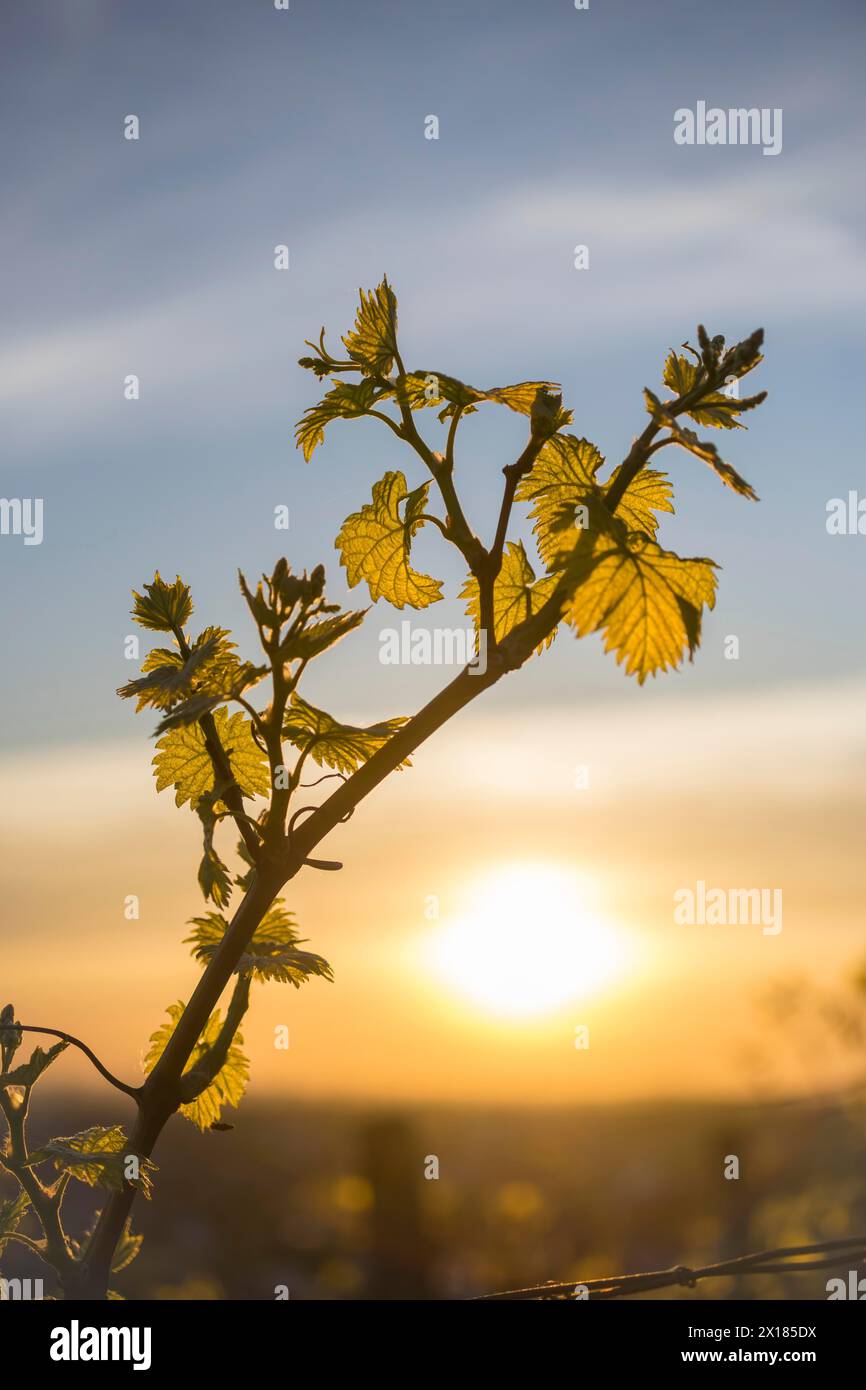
(213, 876)
(12, 1211)
(127, 1248)
(346, 400)
(647, 601)
(648, 493)
(182, 759)
(163, 607)
(28, 1073)
(292, 967)
(562, 480)
(209, 932)
(429, 388)
(228, 1086)
(167, 681)
(332, 744)
(272, 954)
(11, 1036)
(315, 638)
(715, 409)
(517, 594)
(701, 448)
(373, 341)
(97, 1157)
(374, 544)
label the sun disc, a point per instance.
(529, 942)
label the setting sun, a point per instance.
(528, 942)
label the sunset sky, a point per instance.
(156, 257)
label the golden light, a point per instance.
(529, 943)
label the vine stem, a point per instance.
(276, 863)
(115, 1081)
(160, 1095)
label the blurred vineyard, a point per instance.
(332, 1202)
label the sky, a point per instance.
(155, 257)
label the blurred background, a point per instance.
(512, 995)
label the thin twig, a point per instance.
(133, 1091)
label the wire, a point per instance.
(786, 1260)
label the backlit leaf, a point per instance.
(127, 1248)
(97, 1157)
(429, 388)
(373, 341)
(163, 607)
(647, 601)
(12, 1211)
(165, 682)
(228, 1086)
(315, 638)
(346, 400)
(701, 448)
(273, 952)
(213, 876)
(374, 544)
(332, 744)
(717, 410)
(562, 480)
(517, 594)
(182, 759)
(648, 492)
(11, 1036)
(28, 1073)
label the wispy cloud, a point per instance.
(786, 244)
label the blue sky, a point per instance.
(307, 127)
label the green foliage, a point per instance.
(228, 1086)
(315, 638)
(12, 1211)
(562, 479)
(717, 410)
(517, 594)
(701, 448)
(272, 952)
(646, 601)
(374, 544)
(332, 744)
(128, 1248)
(648, 494)
(602, 571)
(176, 683)
(373, 352)
(29, 1073)
(183, 760)
(373, 341)
(428, 388)
(213, 875)
(163, 607)
(11, 1036)
(97, 1157)
(345, 401)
